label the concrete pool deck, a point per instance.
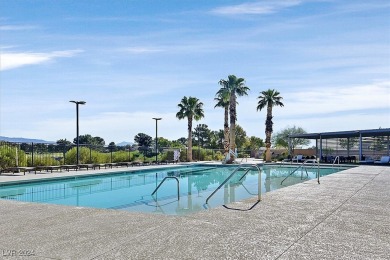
(347, 216)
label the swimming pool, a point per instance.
(132, 191)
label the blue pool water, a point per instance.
(132, 191)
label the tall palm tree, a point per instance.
(190, 108)
(222, 100)
(233, 87)
(269, 99)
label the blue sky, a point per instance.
(134, 60)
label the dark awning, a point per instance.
(345, 134)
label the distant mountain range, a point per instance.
(28, 140)
(24, 140)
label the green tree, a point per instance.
(269, 99)
(112, 146)
(217, 139)
(281, 138)
(63, 145)
(240, 137)
(96, 141)
(163, 142)
(190, 108)
(202, 132)
(144, 141)
(254, 143)
(181, 142)
(40, 148)
(233, 87)
(26, 147)
(64, 142)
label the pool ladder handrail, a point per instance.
(244, 158)
(232, 174)
(303, 164)
(169, 177)
(337, 158)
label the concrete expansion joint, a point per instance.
(326, 217)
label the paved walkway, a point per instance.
(345, 217)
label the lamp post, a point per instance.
(198, 142)
(77, 126)
(156, 118)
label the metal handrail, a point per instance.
(246, 172)
(246, 159)
(231, 175)
(336, 159)
(301, 165)
(169, 177)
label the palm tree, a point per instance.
(222, 100)
(269, 99)
(190, 108)
(233, 87)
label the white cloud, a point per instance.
(17, 27)
(143, 50)
(322, 109)
(260, 7)
(339, 99)
(12, 60)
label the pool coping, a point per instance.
(9, 178)
(76, 174)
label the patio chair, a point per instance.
(50, 168)
(383, 160)
(86, 166)
(21, 169)
(297, 158)
(367, 160)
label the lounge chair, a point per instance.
(70, 167)
(49, 168)
(22, 169)
(298, 158)
(127, 164)
(86, 165)
(172, 161)
(311, 160)
(367, 160)
(110, 165)
(383, 160)
(135, 163)
(98, 165)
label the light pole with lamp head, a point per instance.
(198, 127)
(156, 118)
(77, 127)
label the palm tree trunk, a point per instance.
(268, 133)
(226, 131)
(232, 126)
(189, 154)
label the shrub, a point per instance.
(218, 156)
(121, 156)
(8, 156)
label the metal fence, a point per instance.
(40, 154)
